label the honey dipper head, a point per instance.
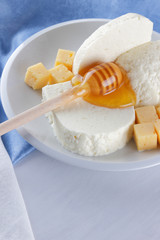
(104, 78)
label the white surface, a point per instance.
(17, 97)
(113, 39)
(87, 129)
(66, 202)
(143, 64)
(14, 223)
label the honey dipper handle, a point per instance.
(40, 109)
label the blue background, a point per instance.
(20, 19)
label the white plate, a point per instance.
(17, 97)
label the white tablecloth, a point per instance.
(69, 203)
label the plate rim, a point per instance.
(76, 159)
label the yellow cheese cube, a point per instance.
(157, 129)
(146, 114)
(65, 57)
(145, 136)
(37, 76)
(158, 111)
(60, 74)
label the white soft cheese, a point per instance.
(143, 68)
(87, 129)
(113, 39)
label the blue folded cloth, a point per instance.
(20, 19)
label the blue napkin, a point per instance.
(20, 19)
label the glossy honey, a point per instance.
(107, 85)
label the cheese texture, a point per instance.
(145, 136)
(113, 39)
(65, 57)
(146, 114)
(37, 76)
(142, 65)
(157, 129)
(59, 74)
(87, 129)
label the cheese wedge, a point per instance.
(142, 65)
(113, 39)
(87, 129)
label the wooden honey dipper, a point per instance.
(103, 79)
(100, 80)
